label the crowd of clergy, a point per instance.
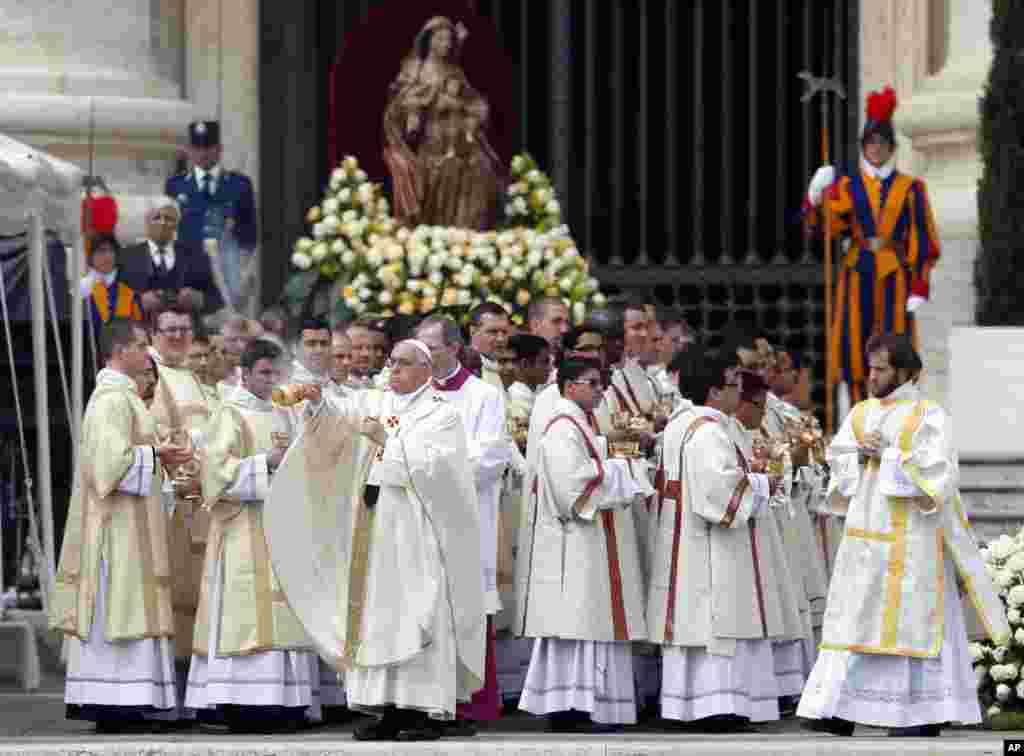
(599, 524)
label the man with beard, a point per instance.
(894, 643)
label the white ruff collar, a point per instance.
(879, 173)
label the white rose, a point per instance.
(993, 711)
(413, 285)
(319, 252)
(454, 263)
(463, 298)
(975, 651)
(566, 284)
(338, 246)
(1003, 692)
(1016, 596)
(1016, 563)
(330, 206)
(330, 224)
(579, 311)
(1019, 636)
(385, 298)
(366, 193)
(1004, 578)
(402, 235)
(365, 293)
(599, 299)
(1013, 616)
(517, 272)
(534, 259)
(374, 258)
(1012, 671)
(996, 672)
(553, 208)
(518, 164)
(534, 176)
(304, 244)
(319, 231)
(1020, 689)
(345, 196)
(348, 258)
(302, 261)
(436, 278)
(520, 206)
(349, 216)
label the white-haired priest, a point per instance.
(400, 565)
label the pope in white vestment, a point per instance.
(408, 621)
(584, 597)
(894, 643)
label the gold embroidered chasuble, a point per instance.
(886, 595)
(255, 615)
(128, 532)
(367, 583)
(181, 401)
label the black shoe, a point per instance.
(568, 721)
(339, 715)
(124, 726)
(832, 726)
(385, 728)
(788, 705)
(722, 724)
(920, 731)
(456, 728)
(414, 734)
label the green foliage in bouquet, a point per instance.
(531, 200)
(359, 261)
(999, 668)
(999, 267)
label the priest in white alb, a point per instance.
(894, 641)
(714, 602)
(584, 599)
(252, 661)
(390, 589)
(112, 597)
(482, 409)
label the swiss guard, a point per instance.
(883, 276)
(218, 208)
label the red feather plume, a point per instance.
(881, 105)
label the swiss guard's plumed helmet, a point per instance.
(880, 107)
(204, 133)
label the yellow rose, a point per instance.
(449, 298)
(313, 215)
(348, 292)
(552, 291)
(522, 297)
(407, 307)
(498, 275)
(387, 313)
(484, 281)
(427, 304)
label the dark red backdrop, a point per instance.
(370, 58)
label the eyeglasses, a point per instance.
(594, 383)
(175, 331)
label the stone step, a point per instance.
(974, 744)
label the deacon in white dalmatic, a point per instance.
(251, 659)
(113, 588)
(584, 599)
(894, 643)
(389, 587)
(716, 599)
(482, 409)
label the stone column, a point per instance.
(108, 73)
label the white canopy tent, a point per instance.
(39, 192)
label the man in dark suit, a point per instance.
(218, 206)
(165, 271)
